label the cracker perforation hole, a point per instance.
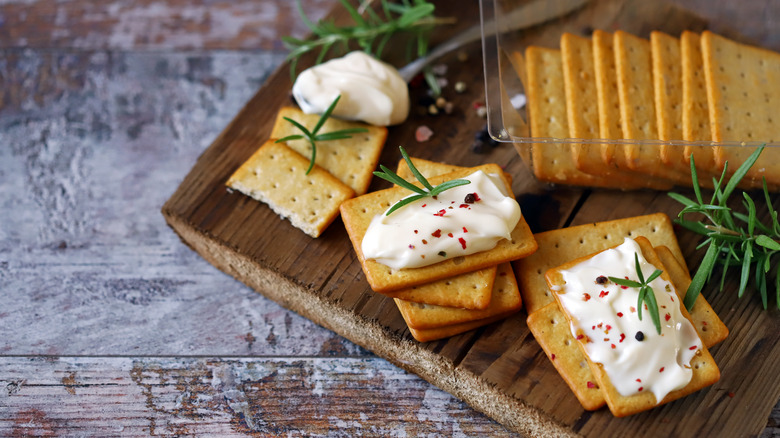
(567, 342)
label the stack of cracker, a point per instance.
(452, 296)
(648, 102)
(276, 173)
(550, 326)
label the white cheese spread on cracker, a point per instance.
(371, 90)
(460, 221)
(604, 317)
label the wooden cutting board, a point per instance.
(499, 369)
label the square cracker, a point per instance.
(426, 335)
(559, 246)
(633, 66)
(352, 160)
(357, 214)
(583, 118)
(552, 160)
(667, 88)
(608, 103)
(472, 290)
(276, 175)
(743, 90)
(558, 343)
(705, 371)
(505, 300)
(695, 109)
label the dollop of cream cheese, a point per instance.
(431, 230)
(605, 317)
(371, 90)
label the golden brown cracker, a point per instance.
(552, 160)
(667, 88)
(583, 117)
(610, 127)
(357, 214)
(743, 90)
(553, 334)
(472, 290)
(559, 246)
(633, 65)
(695, 109)
(551, 330)
(351, 160)
(276, 175)
(427, 335)
(505, 300)
(707, 323)
(705, 371)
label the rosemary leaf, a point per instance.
(313, 137)
(388, 175)
(701, 276)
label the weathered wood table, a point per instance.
(109, 325)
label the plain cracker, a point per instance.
(357, 214)
(505, 300)
(427, 335)
(633, 65)
(695, 109)
(352, 160)
(472, 290)
(743, 89)
(276, 175)
(582, 116)
(608, 103)
(552, 160)
(667, 88)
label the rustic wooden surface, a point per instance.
(111, 326)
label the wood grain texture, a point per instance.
(102, 308)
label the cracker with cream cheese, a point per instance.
(357, 214)
(629, 390)
(558, 343)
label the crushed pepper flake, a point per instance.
(462, 242)
(436, 233)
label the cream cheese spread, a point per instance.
(604, 315)
(371, 90)
(460, 221)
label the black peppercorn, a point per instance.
(640, 336)
(602, 279)
(470, 199)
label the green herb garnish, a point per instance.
(646, 293)
(732, 238)
(371, 33)
(422, 192)
(313, 137)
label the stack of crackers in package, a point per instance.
(610, 356)
(276, 173)
(452, 296)
(652, 104)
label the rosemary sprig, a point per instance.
(646, 293)
(371, 33)
(421, 192)
(732, 238)
(313, 137)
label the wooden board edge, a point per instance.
(480, 394)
